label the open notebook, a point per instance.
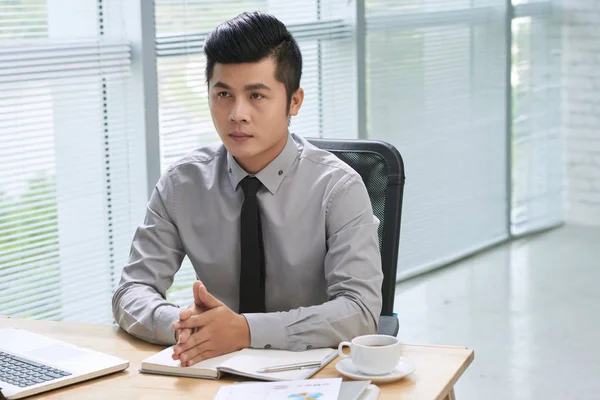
(245, 362)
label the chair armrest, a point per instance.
(388, 325)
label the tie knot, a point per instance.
(250, 186)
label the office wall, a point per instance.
(581, 110)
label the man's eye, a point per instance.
(257, 96)
(223, 94)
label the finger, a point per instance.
(190, 349)
(187, 358)
(195, 321)
(177, 350)
(196, 338)
(195, 289)
(175, 325)
(203, 355)
(184, 335)
(207, 299)
(185, 314)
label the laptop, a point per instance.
(31, 363)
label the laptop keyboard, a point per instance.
(22, 372)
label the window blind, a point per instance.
(537, 142)
(436, 89)
(324, 31)
(64, 160)
(72, 158)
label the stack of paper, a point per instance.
(314, 389)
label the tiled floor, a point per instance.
(530, 310)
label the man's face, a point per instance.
(248, 107)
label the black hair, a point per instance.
(251, 37)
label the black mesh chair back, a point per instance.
(381, 167)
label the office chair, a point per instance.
(381, 167)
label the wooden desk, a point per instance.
(438, 368)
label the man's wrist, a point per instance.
(244, 330)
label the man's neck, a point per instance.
(260, 161)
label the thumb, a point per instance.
(196, 290)
(207, 299)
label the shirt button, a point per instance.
(280, 172)
(309, 347)
(268, 346)
(229, 170)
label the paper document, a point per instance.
(313, 389)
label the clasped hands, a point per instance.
(208, 328)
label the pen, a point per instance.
(290, 367)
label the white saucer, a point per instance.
(347, 368)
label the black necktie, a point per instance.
(252, 274)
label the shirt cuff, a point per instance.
(266, 331)
(165, 317)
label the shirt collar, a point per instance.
(273, 174)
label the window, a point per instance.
(537, 142)
(436, 89)
(85, 128)
(65, 215)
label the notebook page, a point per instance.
(162, 362)
(248, 361)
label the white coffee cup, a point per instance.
(373, 354)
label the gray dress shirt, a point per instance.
(323, 267)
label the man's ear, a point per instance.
(296, 102)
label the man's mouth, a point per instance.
(239, 136)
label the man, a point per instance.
(281, 234)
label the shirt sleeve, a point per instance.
(354, 277)
(139, 303)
